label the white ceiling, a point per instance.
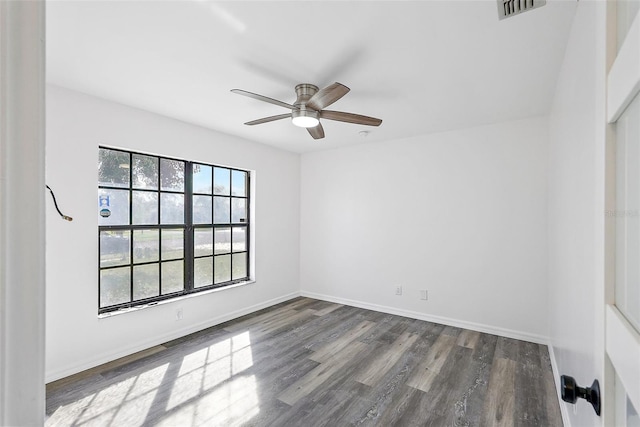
(421, 66)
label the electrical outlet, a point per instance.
(398, 290)
(424, 294)
(179, 314)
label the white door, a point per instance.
(622, 321)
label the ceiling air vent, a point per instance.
(508, 8)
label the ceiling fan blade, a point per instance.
(327, 96)
(316, 132)
(268, 119)
(263, 98)
(350, 118)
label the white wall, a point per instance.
(22, 216)
(462, 214)
(76, 124)
(576, 208)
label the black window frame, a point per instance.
(188, 226)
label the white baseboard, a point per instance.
(79, 366)
(487, 329)
(556, 378)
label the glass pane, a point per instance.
(145, 172)
(146, 245)
(626, 11)
(145, 207)
(113, 207)
(146, 281)
(627, 214)
(202, 272)
(172, 277)
(221, 178)
(633, 419)
(171, 175)
(221, 214)
(115, 286)
(238, 210)
(239, 266)
(171, 208)
(626, 415)
(113, 168)
(239, 239)
(222, 240)
(114, 247)
(238, 183)
(172, 244)
(222, 268)
(203, 241)
(202, 179)
(202, 209)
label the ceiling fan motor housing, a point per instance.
(301, 115)
(304, 92)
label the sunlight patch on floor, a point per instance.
(232, 403)
(206, 368)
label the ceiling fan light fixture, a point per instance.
(305, 118)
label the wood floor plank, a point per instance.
(330, 349)
(328, 309)
(248, 321)
(499, 408)
(429, 368)
(320, 374)
(386, 359)
(507, 349)
(307, 362)
(468, 338)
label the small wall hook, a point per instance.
(571, 392)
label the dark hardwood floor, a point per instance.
(313, 363)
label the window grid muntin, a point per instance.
(188, 231)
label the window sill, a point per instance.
(172, 300)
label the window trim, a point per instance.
(188, 227)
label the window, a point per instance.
(168, 227)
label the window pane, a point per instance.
(221, 214)
(146, 245)
(238, 210)
(222, 240)
(239, 239)
(201, 179)
(145, 172)
(239, 266)
(202, 272)
(113, 207)
(115, 286)
(172, 244)
(146, 281)
(172, 277)
(202, 209)
(221, 178)
(203, 241)
(238, 183)
(171, 175)
(171, 208)
(114, 247)
(113, 168)
(626, 11)
(222, 268)
(627, 277)
(145, 207)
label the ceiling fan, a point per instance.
(310, 106)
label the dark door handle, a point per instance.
(571, 392)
